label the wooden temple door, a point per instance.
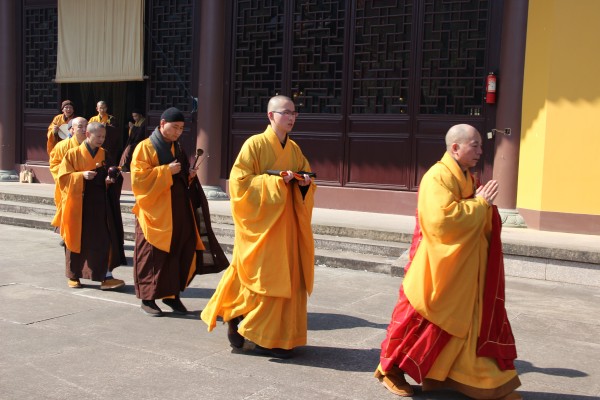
(377, 82)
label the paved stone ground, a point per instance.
(60, 343)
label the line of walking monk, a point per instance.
(449, 328)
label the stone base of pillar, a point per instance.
(511, 218)
(214, 193)
(6, 175)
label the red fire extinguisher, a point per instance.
(490, 88)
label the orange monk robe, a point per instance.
(58, 121)
(56, 156)
(272, 268)
(72, 185)
(103, 120)
(445, 281)
(151, 185)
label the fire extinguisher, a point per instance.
(490, 88)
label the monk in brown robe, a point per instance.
(168, 245)
(137, 133)
(88, 223)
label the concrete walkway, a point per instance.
(61, 343)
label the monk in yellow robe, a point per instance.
(112, 142)
(68, 113)
(88, 221)
(77, 130)
(166, 233)
(263, 293)
(449, 328)
(103, 116)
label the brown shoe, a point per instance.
(111, 284)
(150, 308)
(74, 284)
(395, 382)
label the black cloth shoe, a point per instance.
(275, 352)
(235, 339)
(150, 308)
(176, 305)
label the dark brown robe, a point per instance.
(137, 134)
(157, 273)
(101, 231)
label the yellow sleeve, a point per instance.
(151, 185)
(71, 183)
(51, 139)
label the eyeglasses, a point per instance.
(287, 113)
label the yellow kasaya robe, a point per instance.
(56, 157)
(272, 269)
(151, 185)
(72, 185)
(103, 119)
(154, 186)
(58, 121)
(446, 279)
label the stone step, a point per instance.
(222, 226)
(127, 202)
(28, 205)
(335, 251)
(44, 209)
(33, 200)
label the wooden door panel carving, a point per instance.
(377, 83)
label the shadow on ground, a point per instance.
(525, 366)
(328, 321)
(335, 358)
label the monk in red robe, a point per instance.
(449, 328)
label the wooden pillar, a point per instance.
(508, 115)
(8, 89)
(209, 135)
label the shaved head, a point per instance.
(95, 127)
(460, 134)
(276, 101)
(463, 143)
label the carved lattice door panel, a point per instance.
(40, 93)
(377, 82)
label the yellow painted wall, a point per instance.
(559, 167)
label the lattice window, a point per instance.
(170, 28)
(318, 55)
(381, 57)
(40, 47)
(258, 57)
(454, 42)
